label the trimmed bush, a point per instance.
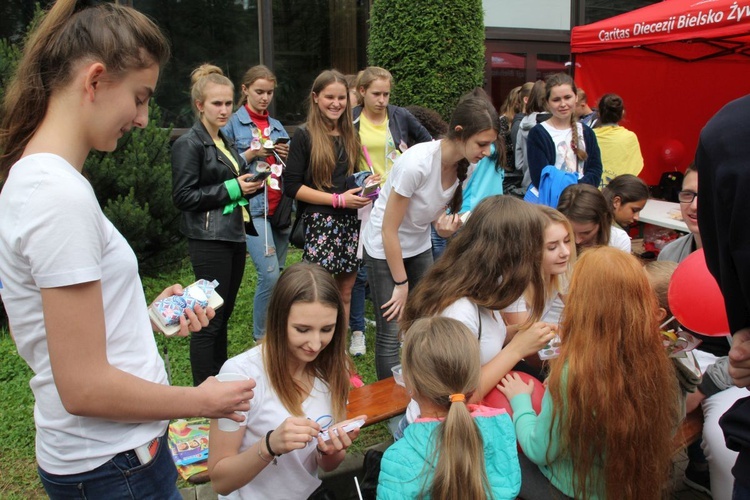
(435, 50)
(134, 188)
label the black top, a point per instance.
(297, 172)
(723, 212)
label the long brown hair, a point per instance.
(564, 79)
(613, 382)
(303, 282)
(474, 114)
(503, 238)
(119, 37)
(434, 369)
(585, 204)
(323, 150)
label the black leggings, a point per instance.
(223, 261)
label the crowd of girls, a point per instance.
(74, 298)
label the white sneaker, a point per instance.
(357, 347)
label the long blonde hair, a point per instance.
(614, 393)
(434, 369)
(558, 283)
(303, 282)
(323, 150)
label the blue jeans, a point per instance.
(121, 477)
(438, 244)
(269, 262)
(357, 307)
(741, 492)
(381, 289)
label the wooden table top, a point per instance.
(379, 401)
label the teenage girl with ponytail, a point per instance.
(455, 450)
(562, 141)
(70, 280)
(424, 181)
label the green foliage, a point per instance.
(435, 50)
(9, 56)
(134, 188)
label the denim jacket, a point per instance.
(240, 130)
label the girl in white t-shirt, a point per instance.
(557, 263)
(70, 280)
(558, 257)
(491, 261)
(593, 223)
(425, 180)
(301, 372)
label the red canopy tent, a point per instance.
(674, 63)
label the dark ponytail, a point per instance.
(474, 113)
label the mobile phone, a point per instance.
(260, 176)
(356, 424)
(369, 189)
(282, 140)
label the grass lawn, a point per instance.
(18, 477)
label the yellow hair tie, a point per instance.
(457, 398)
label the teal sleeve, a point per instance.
(533, 431)
(233, 188)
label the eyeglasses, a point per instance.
(686, 196)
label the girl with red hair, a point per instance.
(605, 428)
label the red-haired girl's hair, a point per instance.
(613, 388)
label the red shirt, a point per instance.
(273, 195)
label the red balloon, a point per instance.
(695, 298)
(672, 153)
(497, 399)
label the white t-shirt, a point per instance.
(618, 238)
(553, 308)
(415, 175)
(565, 157)
(296, 475)
(54, 234)
(490, 343)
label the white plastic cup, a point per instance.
(227, 424)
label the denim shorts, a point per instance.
(121, 477)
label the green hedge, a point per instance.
(435, 50)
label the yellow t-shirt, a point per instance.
(620, 151)
(223, 148)
(374, 138)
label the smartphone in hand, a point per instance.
(282, 140)
(260, 176)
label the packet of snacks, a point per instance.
(166, 312)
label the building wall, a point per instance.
(526, 14)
